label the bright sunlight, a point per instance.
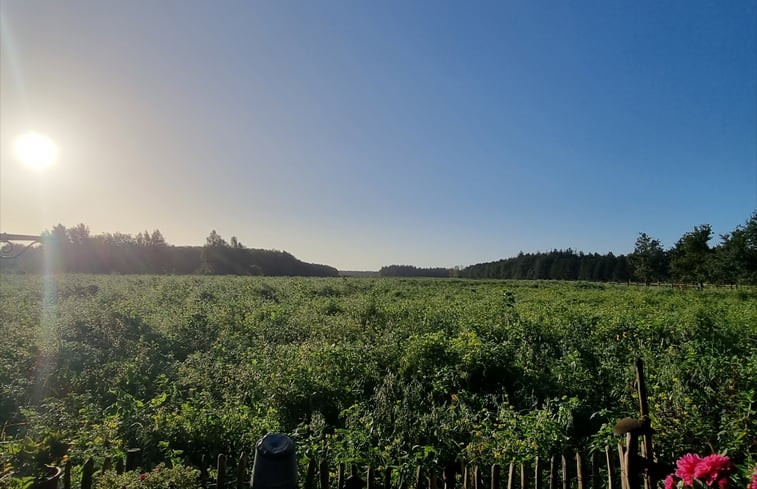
(36, 150)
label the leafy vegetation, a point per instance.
(386, 371)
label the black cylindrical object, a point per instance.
(275, 465)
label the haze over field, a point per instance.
(365, 134)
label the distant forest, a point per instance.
(691, 260)
(75, 250)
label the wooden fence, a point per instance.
(606, 470)
(631, 467)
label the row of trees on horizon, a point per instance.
(75, 250)
(691, 260)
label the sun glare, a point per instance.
(36, 150)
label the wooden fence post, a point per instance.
(610, 467)
(86, 474)
(564, 472)
(537, 473)
(448, 475)
(646, 446)
(388, 478)
(579, 471)
(323, 474)
(340, 476)
(203, 471)
(495, 477)
(553, 472)
(107, 464)
(310, 478)
(477, 478)
(523, 475)
(510, 475)
(622, 465)
(242, 471)
(419, 482)
(221, 470)
(595, 470)
(67, 475)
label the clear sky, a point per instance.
(361, 134)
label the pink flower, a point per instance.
(723, 483)
(141, 477)
(670, 482)
(685, 467)
(712, 468)
(754, 478)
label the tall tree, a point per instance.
(691, 258)
(648, 259)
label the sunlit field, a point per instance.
(384, 371)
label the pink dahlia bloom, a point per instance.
(685, 467)
(712, 469)
(754, 478)
(670, 482)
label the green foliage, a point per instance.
(178, 477)
(387, 371)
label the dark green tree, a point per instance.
(648, 261)
(691, 260)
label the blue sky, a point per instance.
(361, 134)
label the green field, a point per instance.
(382, 371)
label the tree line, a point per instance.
(692, 260)
(75, 250)
(412, 271)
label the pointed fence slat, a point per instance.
(524, 475)
(388, 478)
(203, 471)
(242, 471)
(564, 472)
(595, 470)
(86, 474)
(537, 474)
(323, 474)
(610, 467)
(340, 476)
(419, 482)
(67, 475)
(510, 475)
(119, 465)
(369, 478)
(579, 471)
(621, 457)
(477, 478)
(553, 472)
(221, 471)
(310, 477)
(495, 477)
(107, 464)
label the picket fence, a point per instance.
(632, 466)
(597, 471)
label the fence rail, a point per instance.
(632, 466)
(608, 470)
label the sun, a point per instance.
(36, 150)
